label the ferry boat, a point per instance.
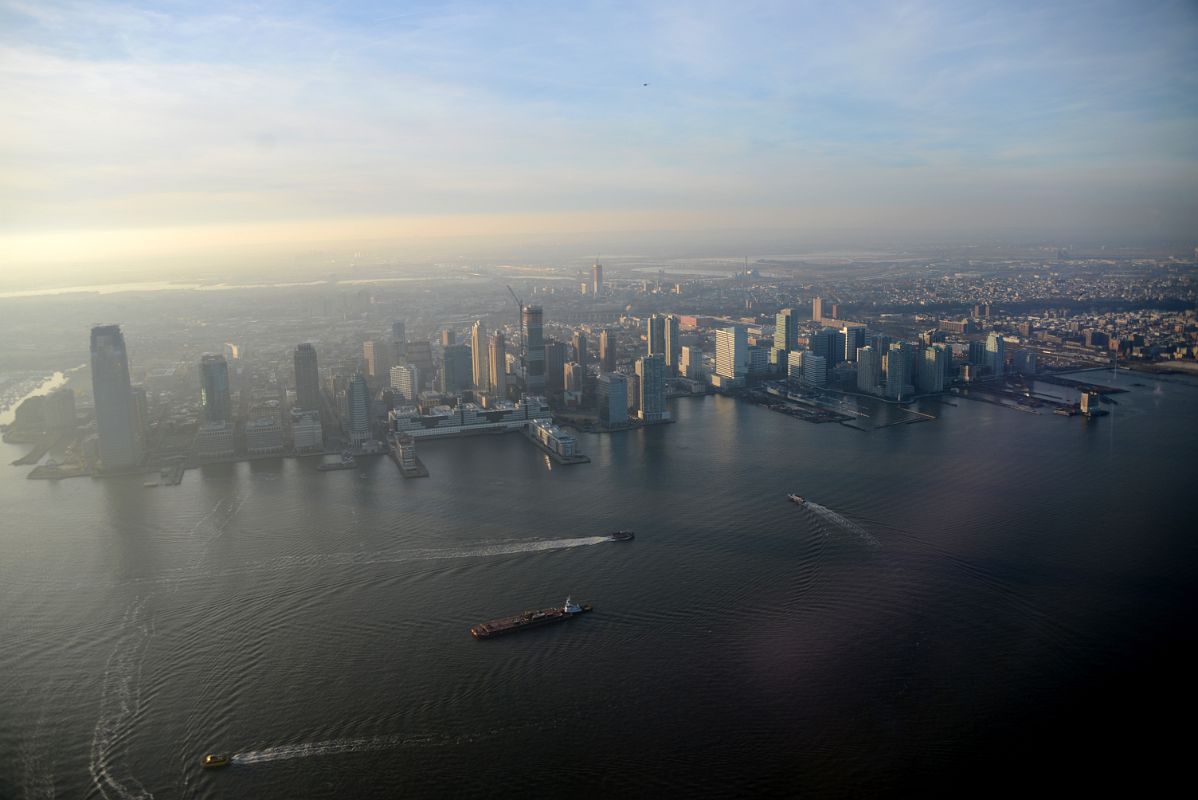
(623, 536)
(798, 501)
(213, 760)
(529, 619)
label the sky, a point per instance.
(159, 132)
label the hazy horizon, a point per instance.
(155, 139)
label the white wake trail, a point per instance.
(328, 748)
(841, 521)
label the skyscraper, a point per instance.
(815, 369)
(497, 365)
(817, 308)
(612, 396)
(481, 370)
(307, 378)
(574, 376)
(420, 355)
(996, 355)
(214, 388)
(652, 373)
(405, 379)
(823, 344)
(691, 363)
(597, 279)
(116, 425)
(933, 366)
(731, 356)
(656, 336)
(898, 378)
(673, 344)
(555, 365)
(358, 421)
(607, 351)
(534, 349)
(854, 339)
(448, 337)
(455, 369)
(579, 340)
(786, 330)
(378, 356)
(869, 369)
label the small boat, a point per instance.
(213, 760)
(623, 536)
(798, 501)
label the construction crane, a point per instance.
(519, 308)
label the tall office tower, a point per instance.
(815, 369)
(214, 386)
(897, 376)
(555, 365)
(420, 355)
(497, 365)
(531, 318)
(607, 351)
(977, 353)
(405, 379)
(612, 397)
(597, 279)
(357, 423)
(879, 342)
(455, 369)
(633, 396)
(652, 373)
(656, 338)
(116, 420)
(480, 368)
(574, 376)
(378, 356)
(579, 340)
(817, 308)
(996, 356)
(448, 337)
(673, 344)
(690, 364)
(731, 354)
(869, 369)
(854, 339)
(232, 351)
(307, 378)
(823, 344)
(786, 330)
(933, 366)
(399, 332)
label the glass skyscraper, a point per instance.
(116, 417)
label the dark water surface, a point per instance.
(979, 598)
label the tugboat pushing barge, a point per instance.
(529, 619)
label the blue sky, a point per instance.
(180, 121)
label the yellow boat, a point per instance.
(212, 761)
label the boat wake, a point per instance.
(120, 702)
(435, 554)
(310, 749)
(842, 522)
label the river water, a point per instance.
(979, 596)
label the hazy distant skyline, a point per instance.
(164, 131)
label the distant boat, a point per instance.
(529, 619)
(798, 501)
(623, 536)
(213, 760)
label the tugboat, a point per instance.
(798, 501)
(623, 536)
(212, 761)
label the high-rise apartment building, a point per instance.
(497, 365)
(786, 330)
(579, 341)
(607, 351)
(612, 397)
(405, 379)
(854, 340)
(597, 279)
(652, 373)
(815, 369)
(555, 365)
(673, 352)
(307, 378)
(357, 424)
(378, 356)
(481, 370)
(817, 308)
(420, 355)
(214, 388)
(655, 338)
(455, 369)
(532, 321)
(574, 376)
(116, 418)
(869, 369)
(898, 376)
(731, 356)
(996, 354)
(933, 367)
(691, 363)
(448, 337)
